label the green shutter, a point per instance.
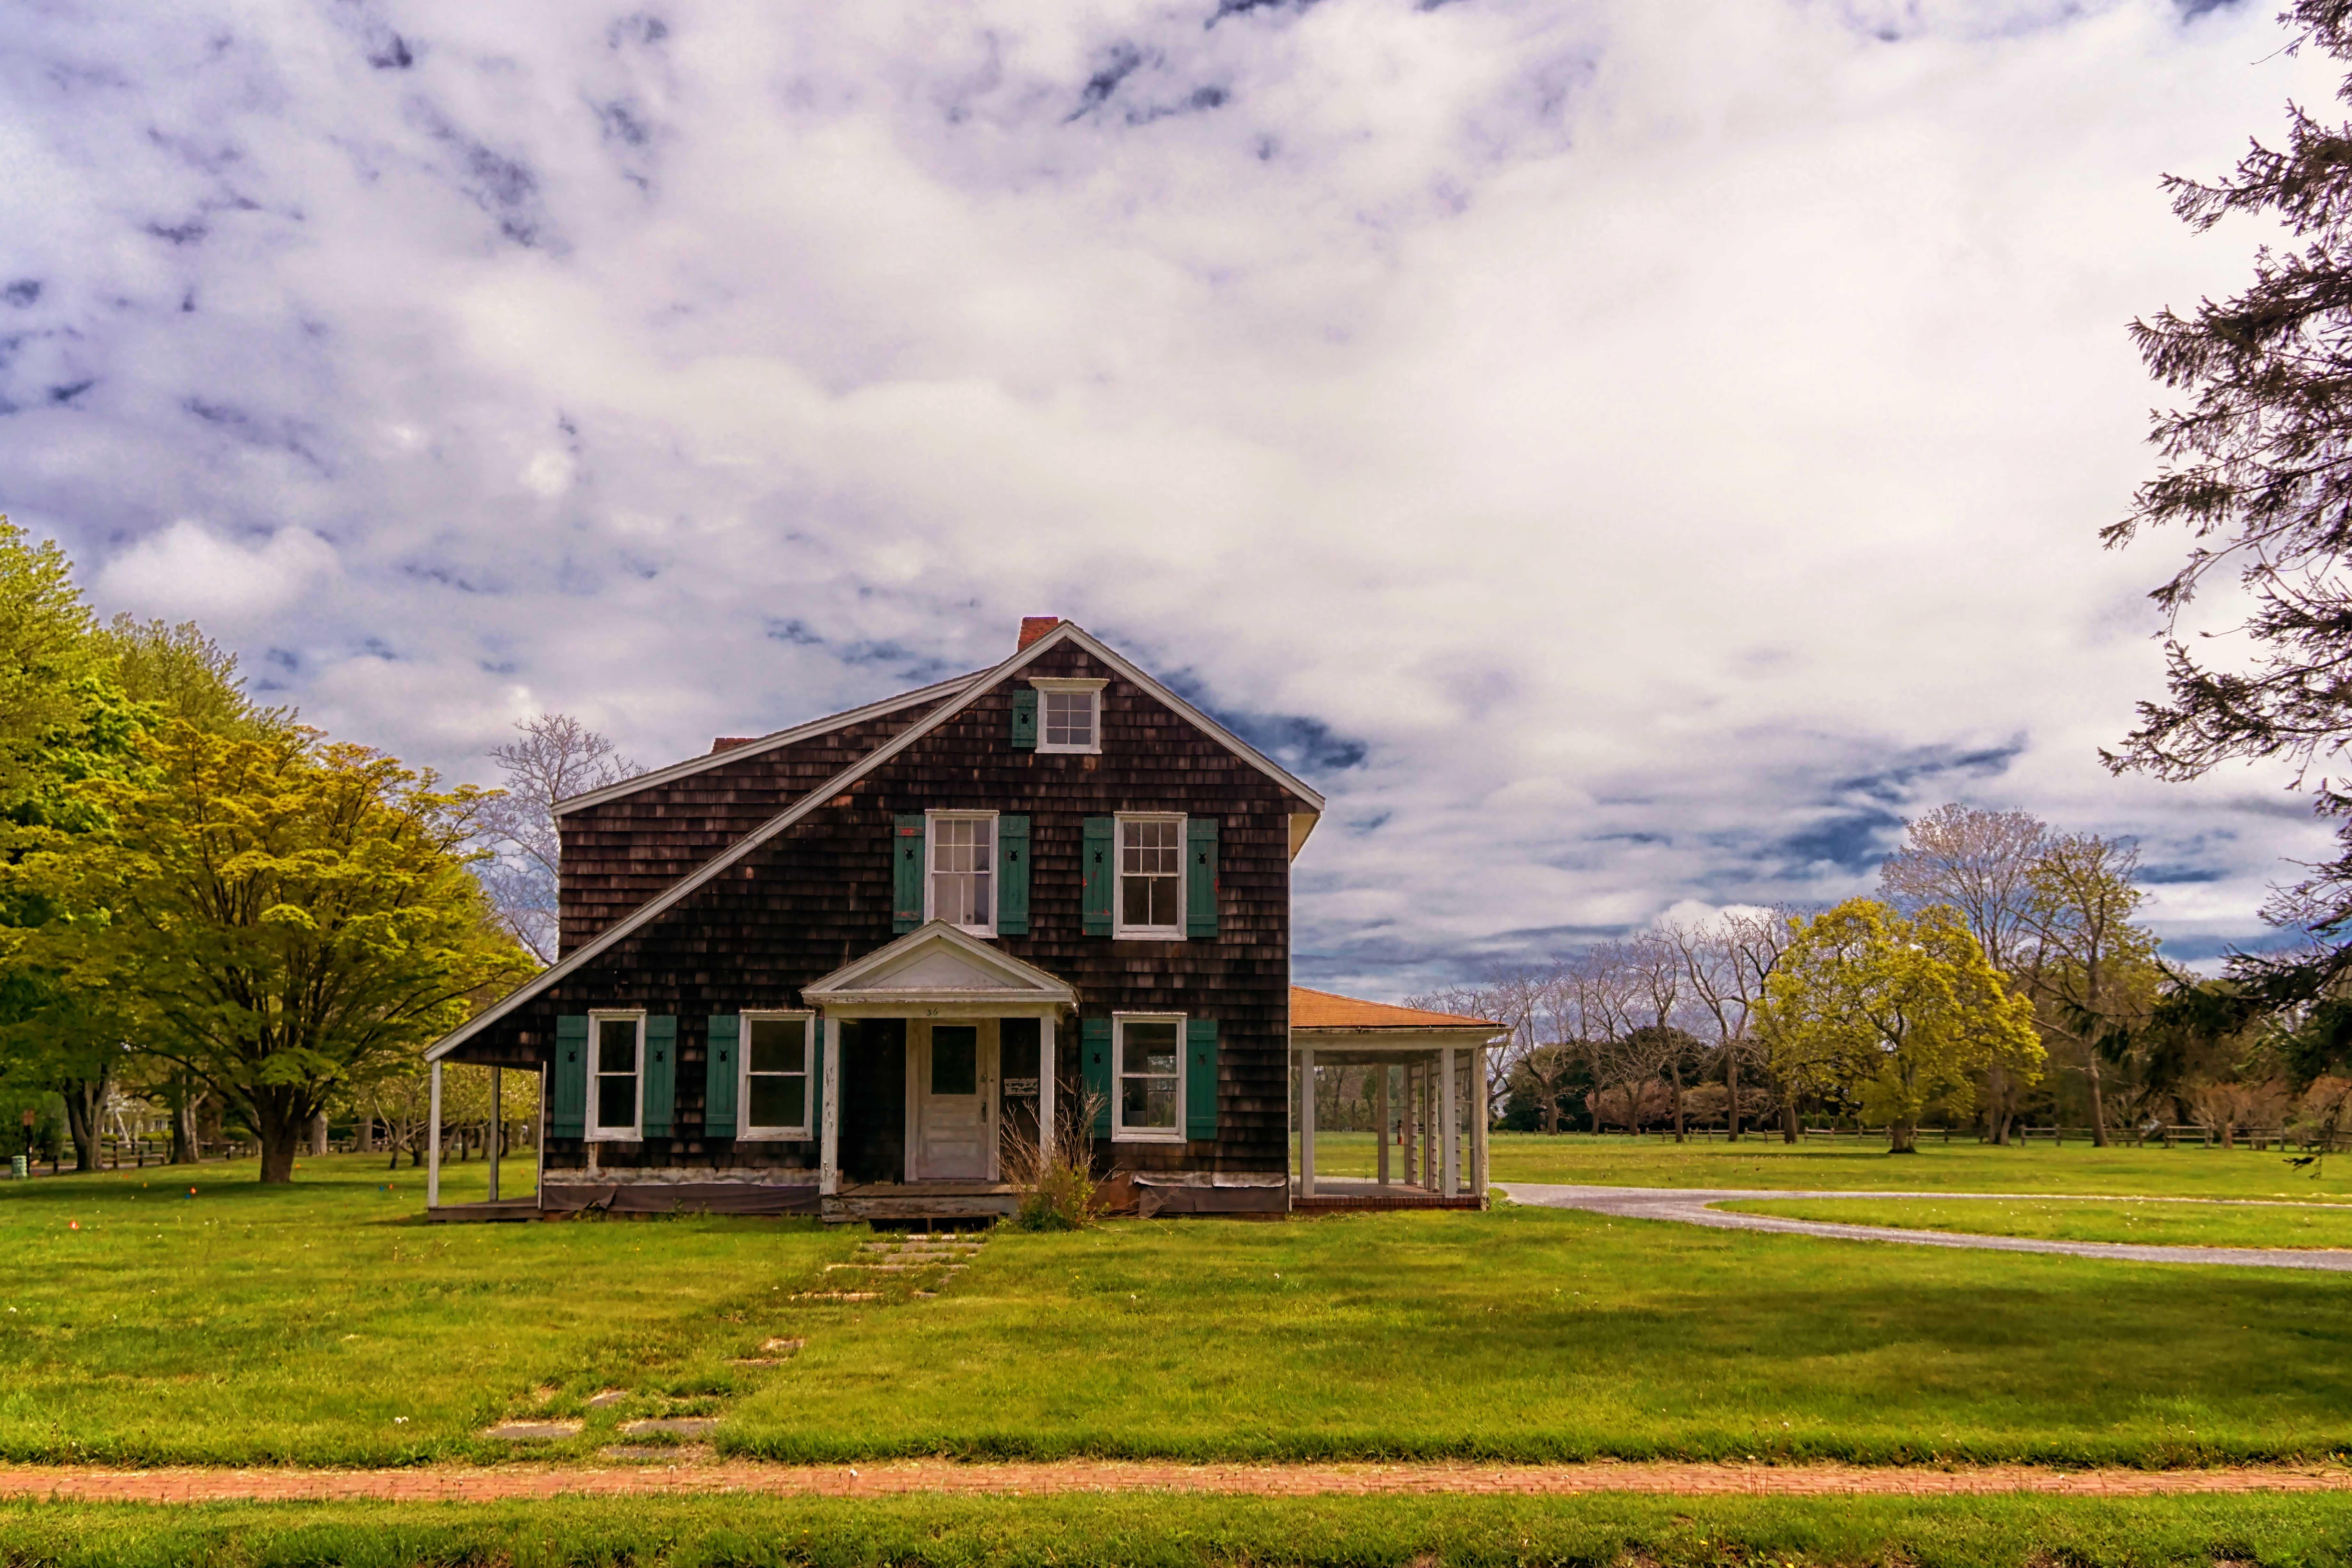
(906, 873)
(1201, 876)
(720, 1075)
(1024, 719)
(1101, 874)
(1011, 875)
(1094, 1069)
(816, 1078)
(660, 1068)
(567, 1094)
(1200, 1077)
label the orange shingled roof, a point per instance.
(1323, 1010)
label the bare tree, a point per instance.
(1981, 864)
(2091, 968)
(557, 758)
(1725, 960)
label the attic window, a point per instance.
(1071, 716)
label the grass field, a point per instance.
(324, 1324)
(1166, 1531)
(1864, 1166)
(2153, 1222)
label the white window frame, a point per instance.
(745, 1132)
(931, 819)
(1120, 1132)
(1045, 683)
(1118, 926)
(635, 1132)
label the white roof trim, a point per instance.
(768, 743)
(855, 981)
(710, 870)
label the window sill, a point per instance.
(1147, 1135)
(776, 1135)
(630, 1135)
(1146, 935)
(1044, 749)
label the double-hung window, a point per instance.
(1069, 714)
(960, 887)
(617, 1054)
(1148, 1100)
(778, 1053)
(1151, 877)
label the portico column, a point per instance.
(1449, 1179)
(1307, 1121)
(1381, 1115)
(1046, 1089)
(828, 1176)
(433, 1145)
(1482, 1105)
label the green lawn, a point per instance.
(1176, 1531)
(2155, 1221)
(1863, 1165)
(324, 1324)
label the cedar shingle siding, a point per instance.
(820, 895)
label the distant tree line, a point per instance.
(1999, 979)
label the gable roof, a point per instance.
(1328, 1010)
(974, 686)
(736, 750)
(938, 962)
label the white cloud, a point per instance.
(188, 571)
(1659, 446)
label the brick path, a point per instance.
(1695, 1205)
(694, 1476)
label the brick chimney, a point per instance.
(1035, 627)
(729, 743)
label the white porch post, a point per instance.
(1045, 1088)
(498, 1129)
(1482, 1105)
(1381, 1115)
(828, 1175)
(1307, 1121)
(433, 1144)
(1449, 1180)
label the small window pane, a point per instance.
(1148, 1047)
(778, 1101)
(616, 1045)
(616, 1100)
(962, 856)
(1069, 718)
(779, 1045)
(1148, 1102)
(955, 1058)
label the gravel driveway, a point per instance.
(1695, 1205)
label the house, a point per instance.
(830, 969)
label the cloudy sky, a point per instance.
(1628, 455)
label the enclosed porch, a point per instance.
(1416, 1080)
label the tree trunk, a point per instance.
(1902, 1138)
(2098, 1103)
(319, 1133)
(186, 1145)
(1731, 1088)
(85, 1103)
(281, 1122)
(1788, 1119)
(1675, 1071)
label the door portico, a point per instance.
(954, 991)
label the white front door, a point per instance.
(951, 1100)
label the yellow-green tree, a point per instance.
(296, 918)
(1899, 1016)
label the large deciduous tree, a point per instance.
(2256, 469)
(1896, 1014)
(298, 917)
(2092, 973)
